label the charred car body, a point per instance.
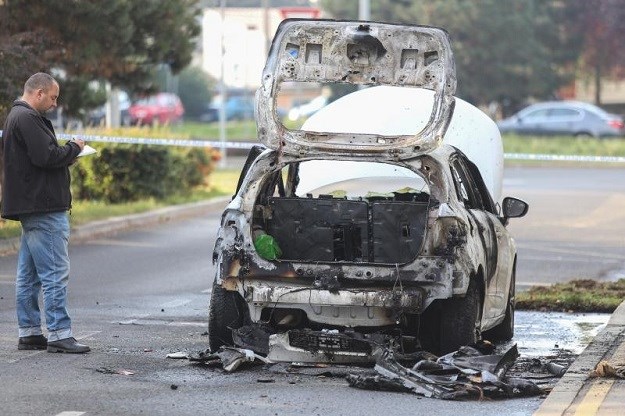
(380, 221)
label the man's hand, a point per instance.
(79, 142)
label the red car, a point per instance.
(160, 108)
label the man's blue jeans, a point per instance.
(43, 262)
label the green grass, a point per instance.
(564, 145)
(222, 182)
(577, 296)
(235, 130)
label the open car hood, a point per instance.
(360, 53)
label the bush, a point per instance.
(124, 173)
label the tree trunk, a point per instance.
(597, 83)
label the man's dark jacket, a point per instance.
(36, 167)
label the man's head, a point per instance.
(41, 92)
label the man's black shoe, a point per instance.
(68, 345)
(33, 342)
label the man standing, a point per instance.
(36, 192)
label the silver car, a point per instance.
(564, 118)
(381, 221)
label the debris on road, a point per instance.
(465, 374)
(605, 369)
(178, 355)
(230, 358)
(121, 371)
(471, 373)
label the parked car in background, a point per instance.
(160, 108)
(97, 116)
(237, 108)
(380, 222)
(564, 118)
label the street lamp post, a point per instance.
(222, 90)
(364, 9)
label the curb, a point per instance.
(569, 394)
(114, 225)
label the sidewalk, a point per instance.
(114, 225)
(581, 395)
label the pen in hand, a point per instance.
(79, 142)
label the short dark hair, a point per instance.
(39, 81)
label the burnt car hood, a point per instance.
(359, 53)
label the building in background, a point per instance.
(247, 35)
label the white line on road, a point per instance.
(160, 322)
(176, 303)
(109, 242)
(70, 413)
(573, 252)
(561, 258)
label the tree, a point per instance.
(602, 23)
(115, 40)
(194, 88)
(505, 49)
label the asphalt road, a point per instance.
(575, 228)
(143, 294)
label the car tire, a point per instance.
(461, 320)
(225, 312)
(505, 330)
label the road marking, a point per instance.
(207, 290)
(534, 284)
(108, 242)
(7, 279)
(71, 413)
(573, 252)
(593, 398)
(609, 211)
(159, 322)
(176, 303)
(568, 260)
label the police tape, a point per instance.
(564, 158)
(159, 142)
(248, 145)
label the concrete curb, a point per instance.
(116, 224)
(570, 391)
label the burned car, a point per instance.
(380, 220)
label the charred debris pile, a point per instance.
(475, 372)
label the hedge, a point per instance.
(125, 172)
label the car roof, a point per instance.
(358, 53)
(404, 111)
(567, 104)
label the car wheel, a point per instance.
(461, 320)
(583, 135)
(225, 312)
(505, 330)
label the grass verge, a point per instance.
(223, 182)
(585, 146)
(583, 295)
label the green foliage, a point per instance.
(562, 145)
(194, 89)
(120, 41)
(121, 173)
(583, 295)
(505, 50)
(222, 182)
